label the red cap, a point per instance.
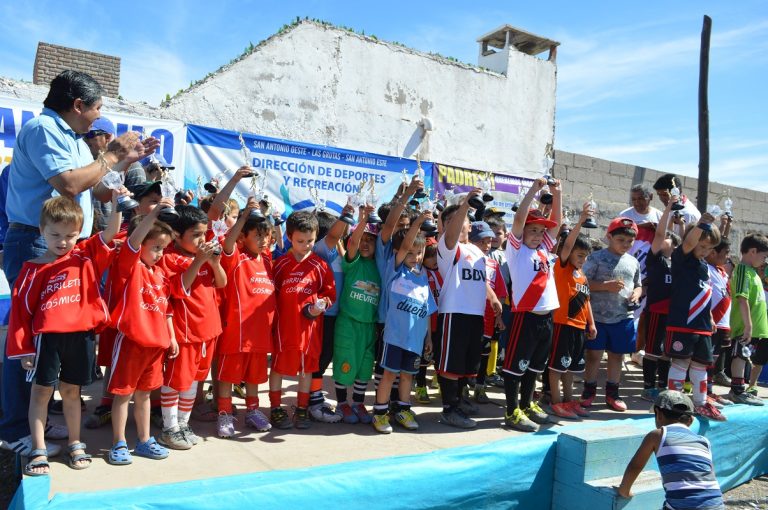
(431, 241)
(622, 222)
(537, 217)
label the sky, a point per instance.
(627, 78)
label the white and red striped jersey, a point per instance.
(463, 269)
(721, 297)
(533, 275)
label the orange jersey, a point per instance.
(573, 294)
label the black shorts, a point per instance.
(461, 342)
(567, 352)
(755, 351)
(655, 333)
(721, 339)
(697, 347)
(65, 357)
(528, 345)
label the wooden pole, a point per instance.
(701, 199)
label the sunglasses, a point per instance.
(95, 133)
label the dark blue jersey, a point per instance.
(691, 296)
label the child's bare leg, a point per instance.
(38, 414)
(554, 386)
(614, 367)
(405, 387)
(593, 359)
(756, 370)
(141, 408)
(382, 393)
(567, 386)
(70, 402)
(119, 417)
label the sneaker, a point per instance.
(206, 412)
(714, 403)
(752, 390)
(225, 427)
(480, 396)
(563, 410)
(362, 413)
(56, 407)
(720, 399)
(495, 380)
(189, 434)
(407, 419)
(466, 405)
(381, 423)
(650, 394)
(208, 396)
(457, 418)
(175, 440)
(301, 418)
(347, 414)
(587, 397)
(279, 419)
(155, 417)
(323, 413)
(545, 398)
(519, 421)
(255, 419)
(422, 396)
(239, 390)
(536, 414)
(745, 398)
(23, 447)
(55, 431)
(577, 408)
(616, 403)
(688, 388)
(721, 379)
(101, 416)
(435, 384)
(710, 412)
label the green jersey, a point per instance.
(746, 283)
(359, 299)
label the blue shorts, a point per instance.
(618, 338)
(396, 359)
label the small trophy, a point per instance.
(319, 202)
(566, 223)
(419, 174)
(113, 180)
(372, 200)
(449, 196)
(244, 150)
(546, 164)
(428, 227)
(255, 192)
(714, 210)
(590, 221)
(319, 305)
(168, 190)
(277, 219)
(521, 192)
(214, 184)
(675, 192)
(219, 228)
(355, 200)
(728, 204)
(484, 183)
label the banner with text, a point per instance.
(293, 168)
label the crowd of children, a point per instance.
(213, 290)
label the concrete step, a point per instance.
(601, 495)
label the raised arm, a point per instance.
(565, 252)
(217, 206)
(661, 229)
(695, 234)
(354, 240)
(397, 209)
(142, 229)
(231, 238)
(338, 229)
(456, 223)
(518, 224)
(556, 214)
(410, 237)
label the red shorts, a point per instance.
(135, 367)
(250, 367)
(106, 346)
(186, 368)
(294, 362)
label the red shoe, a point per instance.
(586, 401)
(616, 404)
(577, 408)
(563, 410)
(710, 412)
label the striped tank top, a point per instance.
(687, 473)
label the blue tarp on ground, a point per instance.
(512, 473)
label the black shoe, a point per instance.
(57, 406)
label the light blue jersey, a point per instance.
(409, 303)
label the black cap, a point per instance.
(140, 190)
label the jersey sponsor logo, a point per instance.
(409, 306)
(370, 288)
(583, 289)
(475, 275)
(58, 283)
(410, 289)
(60, 301)
(262, 290)
(541, 265)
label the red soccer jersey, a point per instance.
(299, 284)
(496, 281)
(252, 305)
(435, 284)
(141, 310)
(195, 313)
(58, 297)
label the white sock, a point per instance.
(676, 377)
(186, 402)
(699, 381)
(169, 401)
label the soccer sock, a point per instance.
(275, 398)
(381, 409)
(676, 377)
(710, 382)
(251, 403)
(463, 388)
(316, 396)
(169, 399)
(481, 374)
(699, 381)
(378, 371)
(527, 385)
(663, 372)
(650, 369)
(403, 406)
(302, 400)
(511, 391)
(590, 389)
(545, 386)
(421, 376)
(737, 385)
(106, 401)
(224, 404)
(394, 393)
(449, 388)
(341, 393)
(612, 389)
(358, 391)
(186, 402)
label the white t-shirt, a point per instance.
(533, 275)
(463, 271)
(652, 216)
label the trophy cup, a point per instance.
(521, 192)
(167, 190)
(219, 228)
(546, 164)
(200, 188)
(355, 200)
(714, 210)
(728, 204)
(484, 183)
(319, 202)
(214, 184)
(675, 192)
(372, 199)
(255, 192)
(566, 223)
(113, 180)
(428, 227)
(244, 150)
(449, 196)
(590, 221)
(419, 174)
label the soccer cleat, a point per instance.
(720, 399)
(406, 419)
(101, 416)
(280, 419)
(577, 408)
(323, 413)
(175, 440)
(457, 418)
(422, 396)
(519, 421)
(717, 405)
(650, 394)
(239, 390)
(362, 413)
(225, 427)
(536, 414)
(721, 379)
(301, 418)
(495, 380)
(381, 423)
(255, 419)
(563, 410)
(710, 412)
(189, 434)
(616, 403)
(745, 398)
(752, 390)
(480, 395)
(347, 414)
(588, 396)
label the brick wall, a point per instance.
(52, 59)
(609, 182)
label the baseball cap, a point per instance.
(158, 159)
(103, 124)
(140, 190)
(431, 241)
(370, 228)
(480, 230)
(537, 217)
(493, 211)
(676, 401)
(622, 222)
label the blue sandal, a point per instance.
(32, 464)
(74, 458)
(151, 449)
(119, 455)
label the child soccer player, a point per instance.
(573, 322)
(305, 289)
(56, 305)
(749, 323)
(689, 324)
(355, 335)
(248, 319)
(615, 289)
(684, 457)
(721, 312)
(195, 272)
(409, 303)
(145, 334)
(534, 297)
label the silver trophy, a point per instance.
(728, 204)
(114, 181)
(675, 192)
(355, 200)
(590, 221)
(546, 164)
(419, 174)
(219, 228)
(429, 227)
(255, 191)
(372, 200)
(168, 190)
(714, 210)
(484, 183)
(314, 193)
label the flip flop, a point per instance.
(74, 458)
(151, 449)
(37, 463)
(119, 455)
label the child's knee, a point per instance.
(69, 391)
